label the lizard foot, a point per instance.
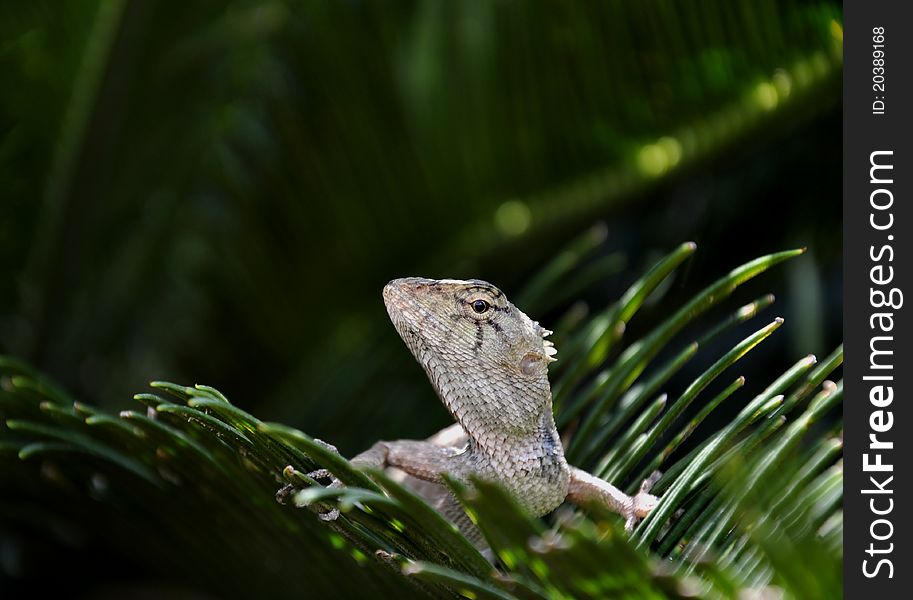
(291, 490)
(642, 503)
(333, 513)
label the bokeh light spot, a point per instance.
(513, 218)
(673, 149)
(783, 82)
(765, 95)
(655, 159)
(652, 160)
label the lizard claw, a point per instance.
(642, 503)
(327, 445)
(291, 490)
(321, 474)
(284, 492)
(325, 473)
(330, 515)
(333, 513)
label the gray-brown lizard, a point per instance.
(488, 363)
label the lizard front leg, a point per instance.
(585, 488)
(421, 459)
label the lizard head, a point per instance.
(474, 344)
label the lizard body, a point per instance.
(488, 362)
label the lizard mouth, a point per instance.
(411, 320)
(399, 299)
(394, 297)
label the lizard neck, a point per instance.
(543, 440)
(521, 427)
(531, 466)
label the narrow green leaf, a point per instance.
(320, 454)
(632, 401)
(88, 444)
(600, 340)
(635, 358)
(536, 291)
(461, 583)
(675, 410)
(624, 445)
(440, 531)
(688, 429)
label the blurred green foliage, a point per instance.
(217, 192)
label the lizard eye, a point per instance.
(480, 306)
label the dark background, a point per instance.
(216, 193)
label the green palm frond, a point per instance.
(193, 476)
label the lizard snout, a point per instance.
(406, 287)
(400, 294)
(395, 290)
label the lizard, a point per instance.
(488, 362)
